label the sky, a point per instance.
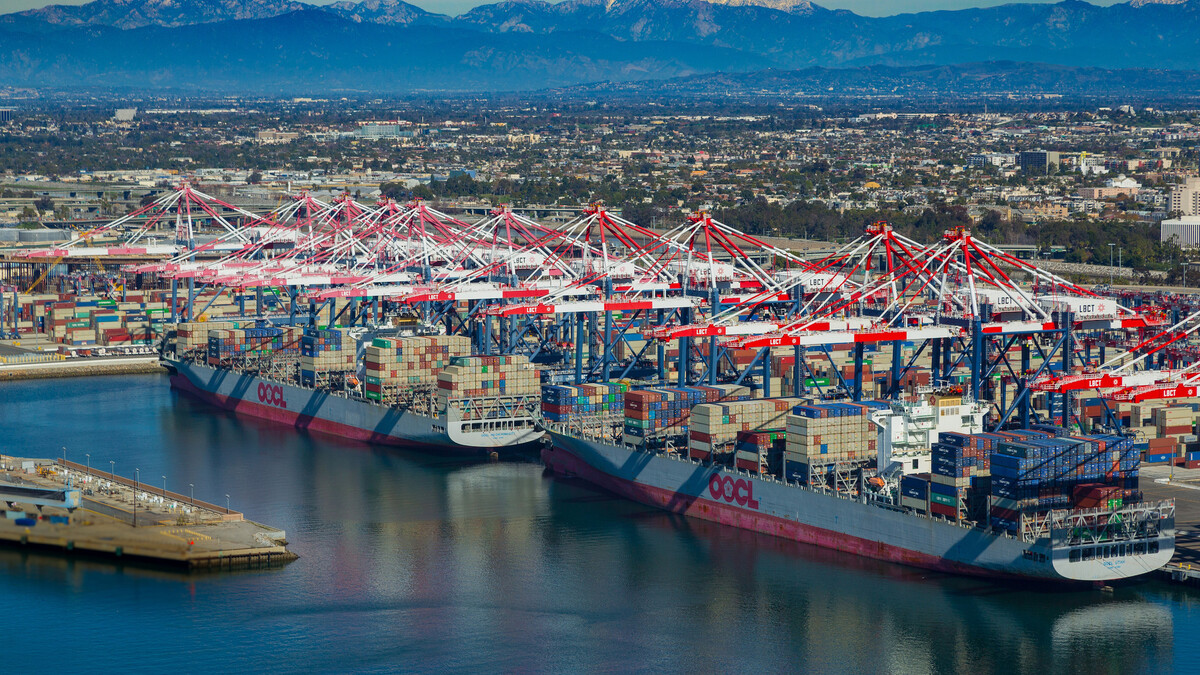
(455, 7)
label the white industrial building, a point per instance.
(1185, 229)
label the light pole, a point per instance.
(1110, 270)
(138, 483)
(226, 503)
(64, 449)
(112, 470)
(1119, 252)
(164, 488)
(89, 463)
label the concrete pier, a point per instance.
(17, 369)
(121, 518)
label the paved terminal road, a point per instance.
(1185, 490)
(10, 350)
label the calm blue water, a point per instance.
(414, 563)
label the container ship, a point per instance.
(425, 392)
(1036, 504)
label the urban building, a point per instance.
(1038, 161)
(1185, 198)
(1113, 187)
(1185, 231)
(981, 160)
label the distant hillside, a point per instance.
(1003, 78)
(391, 45)
(313, 51)
(127, 14)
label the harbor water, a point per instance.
(415, 563)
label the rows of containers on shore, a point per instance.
(996, 478)
(87, 320)
(1171, 434)
(123, 318)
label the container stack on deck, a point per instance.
(1031, 477)
(914, 491)
(472, 383)
(826, 434)
(654, 415)
(325, 351)
(194, 335)
(760, 451)
(715, 427)
(561, 403)
(233, 344)
(392, 363)
(961, 476)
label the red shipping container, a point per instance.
(943, 510)
(749, 465)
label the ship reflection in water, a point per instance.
(414, 562)
(846, 613)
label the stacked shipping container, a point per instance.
(325, 351)
(480, 376)
(829, 433)
(652, 415)
(226, 344)
(1036, 475)
(390, 363)
(960, 483)
(560, 403)
(715, 427)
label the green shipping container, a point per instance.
(943, 499)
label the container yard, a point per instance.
(945, 382)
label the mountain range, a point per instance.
(390, 45)
(1006, 83)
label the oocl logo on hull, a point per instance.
(271, 394)
(733, 490)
